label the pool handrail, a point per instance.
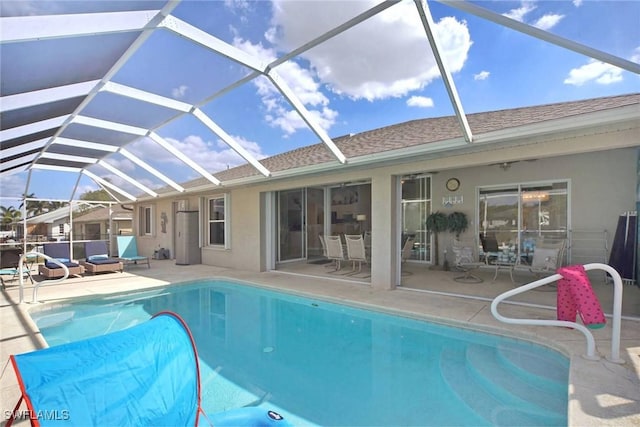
(616, 316)
(26, 255)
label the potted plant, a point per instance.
(436, 223)
(457, 223)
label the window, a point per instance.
(60, 229)
(520, 214)
(146, 221)
(217, 221)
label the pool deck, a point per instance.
(601, 393)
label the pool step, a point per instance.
(550, 371)
(500, 393)
(486, 364)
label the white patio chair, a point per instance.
(407, 248)
(356, 251)
(466, 261)
(334, 250)
(323, 243)
(547, 258)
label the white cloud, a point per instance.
(577, 3)
(597, 71)
(364, 62)
(482, 75)
(519, 13)
(420, 101)
(548, 21)
(635, 57)
(12, 186)
(180, 92)
(545, 22)
(213, 156)
(279, 112)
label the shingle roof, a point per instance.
(102, 214)
(423, 131)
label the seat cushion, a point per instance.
(50, 264)
(103, 261)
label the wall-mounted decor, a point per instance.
(453, 184)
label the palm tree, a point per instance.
(9, 215)
(34, 207)
(52, 206)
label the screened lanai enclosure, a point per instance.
(113, 105)
(100, 92)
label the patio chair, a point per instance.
(128, 251)
(323, 243)
(407, 248)
(490, 248)
(9, 260)
(334, 251)
(355, 251)
(547, 259)
(98, 259)
(466, 261)
(62, 252)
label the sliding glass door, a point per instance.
(291, 224)
(416, 206)
(315, 215)
(301, 218)
(304, 214)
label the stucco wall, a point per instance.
(602, 185)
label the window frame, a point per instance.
(517, 190)
(146, 222)
(225, 221)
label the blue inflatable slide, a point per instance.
(147, 375)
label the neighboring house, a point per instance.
(549, 170)
(51, 226)
(93, 223)
(101, 222)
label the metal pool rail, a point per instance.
(34, 300)
(591, 351)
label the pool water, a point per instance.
(320, 363)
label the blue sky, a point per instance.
(376, 74)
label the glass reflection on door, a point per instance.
(291, 236)
(416, 206)
(315, 222)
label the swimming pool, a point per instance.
(320, 363)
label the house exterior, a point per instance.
(554, 170)
(93, 223)
(101, 222)
(50, 226)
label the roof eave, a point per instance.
(579, 125)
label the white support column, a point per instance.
(45, 96)
(28, 129)
(210, 42)
(447, 79)
(200, 115)
(41, 27)
(193, 165)
(108, 184)
(385, 250)
(543, 35)
(151, 169)
(127, 178)
(305, 115)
